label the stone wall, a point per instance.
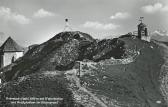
(146, 38)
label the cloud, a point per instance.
(7, 14)
(98, 25)
(157, 7)
(120, 15)
(41, 13)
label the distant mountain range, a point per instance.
(160, 36)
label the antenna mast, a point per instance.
(141, 19)
(67, 26)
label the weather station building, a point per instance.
(9, 52)
(143, 31)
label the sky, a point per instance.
(35, 21)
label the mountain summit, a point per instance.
(85, 72)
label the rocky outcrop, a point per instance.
(104, 49)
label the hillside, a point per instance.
(120, 72)
(61, 52)
(135, 84)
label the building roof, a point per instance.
(11, 46)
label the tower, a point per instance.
(142, 29)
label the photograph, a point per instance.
(83, 53)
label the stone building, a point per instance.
(9, 52)
(143, 32)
